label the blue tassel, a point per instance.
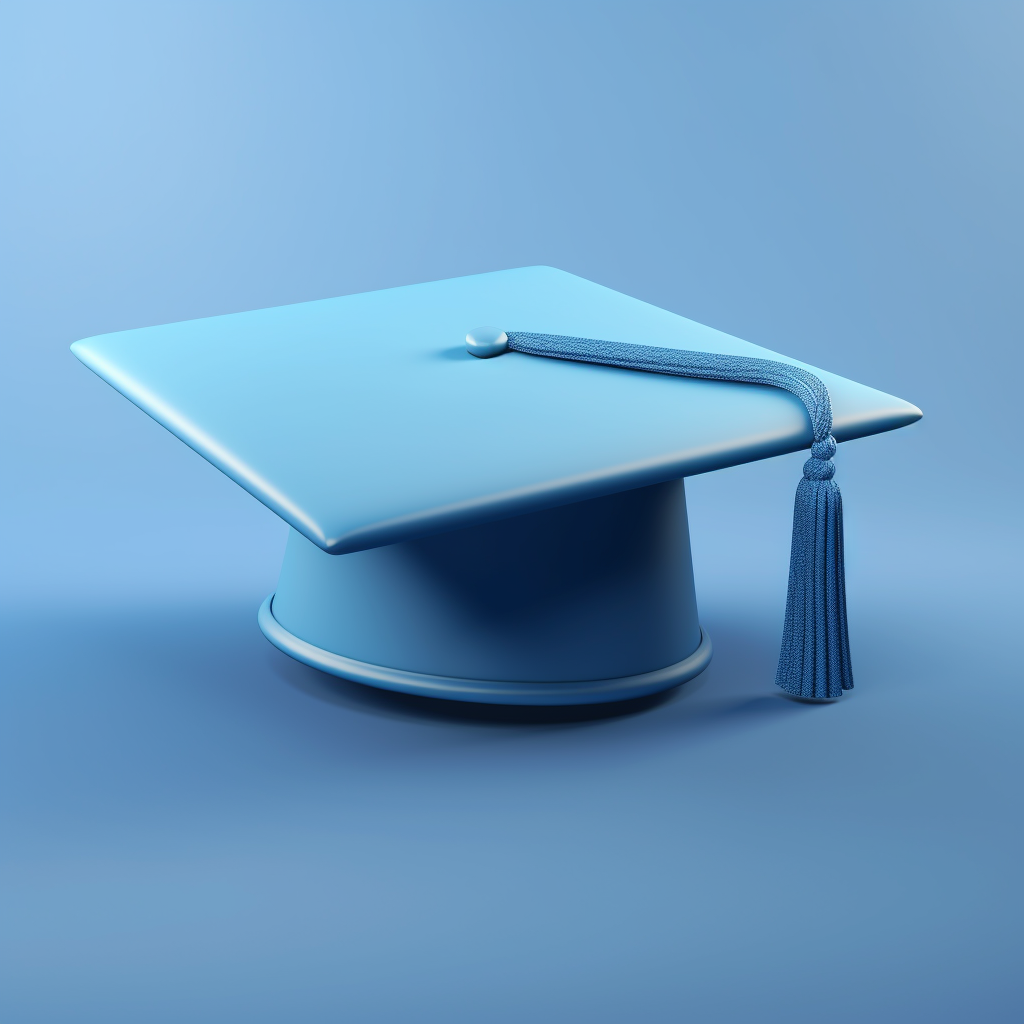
(815, 656)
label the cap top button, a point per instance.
(485, 342)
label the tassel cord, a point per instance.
(814, 660)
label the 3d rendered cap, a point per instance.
(509, 529)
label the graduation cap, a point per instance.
(497, 514)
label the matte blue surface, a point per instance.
(363, 421)
(589, 592)
(193, 827)
(598, 589)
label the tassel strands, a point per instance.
(815, 658)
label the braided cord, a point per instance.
(682, 363)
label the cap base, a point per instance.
(484, 691)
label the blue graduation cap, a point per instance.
(497, 514)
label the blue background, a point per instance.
(196, 828)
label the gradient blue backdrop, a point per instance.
(195, 828)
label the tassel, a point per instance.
(815, 656)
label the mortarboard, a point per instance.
(506, 530)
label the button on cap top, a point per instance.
(485, 342)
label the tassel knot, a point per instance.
(824, 449)
(818, 469)
(819, 466)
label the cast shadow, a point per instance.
(389, 704)
(456, 353)
(737, 689)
